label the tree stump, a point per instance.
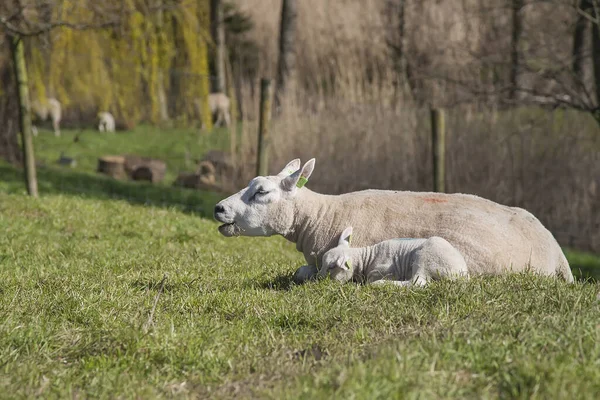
(113, 166)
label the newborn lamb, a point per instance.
(401, 262)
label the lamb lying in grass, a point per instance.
(493, 238)
(401, 262)
(107, 122)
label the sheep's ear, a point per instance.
(290, 168)
(300, 177)
(345, 237)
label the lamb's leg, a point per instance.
(305, 273)
(219, 121)
(56, 127)
(417, 281)
(227, 119)
(383, 282)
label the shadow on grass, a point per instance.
(585, 266)
(54, 180)
(282, 282)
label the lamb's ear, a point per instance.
(345, 237)
(300, 177)
(345, 263)
(290, 168)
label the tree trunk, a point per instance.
(18, 55)
(579, 40)
(596, 61)
(286, 69)
(517, 30)
(204, 71)
(396, 12)
(163, 110)
(217, 28)
(9, 115)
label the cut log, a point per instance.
(151, 171)
(113, 166)
(144, 168)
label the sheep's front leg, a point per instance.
(305, 273)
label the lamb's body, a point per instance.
(219, 105)
(106, 122)
(402, 261)
(52, 108)
(492, 238)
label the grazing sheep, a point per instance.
(52, 108)
(219, 108)
(493, 238)
(401, 262)
(107, 122)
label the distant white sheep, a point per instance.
(493, 238)
(401, 262)
(107, 122)
(51, 107)
(219, 105)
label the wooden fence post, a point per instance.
(266, 99)
(18, 55)
(438, 142)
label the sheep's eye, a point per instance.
(259, 192)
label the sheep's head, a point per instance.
(337, 261)
(265, 207)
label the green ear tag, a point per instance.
(348, 264)
(301, 182)
(349, 239)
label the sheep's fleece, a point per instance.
(492, 238)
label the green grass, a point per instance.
(169, 145)
(81, 272)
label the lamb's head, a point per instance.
(337, 262)
(266, 206)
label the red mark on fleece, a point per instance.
(434, 200)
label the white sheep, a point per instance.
(493, 238)
(401, 262)
(51, 107)
(219, 105)
(107, 122)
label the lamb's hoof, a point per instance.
(305, 273)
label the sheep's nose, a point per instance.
(219, 209)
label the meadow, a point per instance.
(126, 290)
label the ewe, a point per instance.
(395, 261)
(493, 238)
(52, 108)
(107, 122)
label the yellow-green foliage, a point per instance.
(118, 68)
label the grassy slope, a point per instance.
(79, 277)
